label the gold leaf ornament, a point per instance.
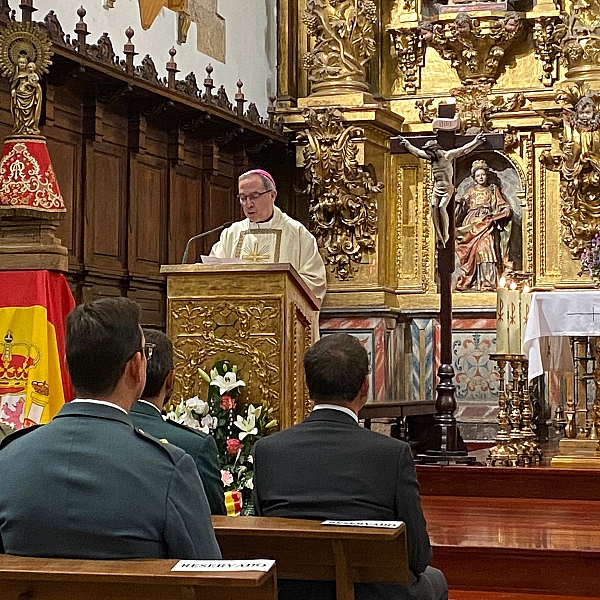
(24, 39)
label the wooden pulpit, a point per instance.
(261, 318)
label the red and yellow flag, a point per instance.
(34, 383)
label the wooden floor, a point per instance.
(494, 546)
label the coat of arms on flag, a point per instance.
(16, 361)
(33, 382)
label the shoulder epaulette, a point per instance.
(11, 437)
(173, 452)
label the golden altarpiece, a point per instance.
(351, 74)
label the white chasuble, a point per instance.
(280, 240)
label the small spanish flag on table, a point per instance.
(233, 503)
(34, 383)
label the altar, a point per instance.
(553, 318)
(562, 336)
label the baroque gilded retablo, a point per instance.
(344, 43)
(578, 163)
(343, 205)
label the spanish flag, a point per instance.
(34, 383)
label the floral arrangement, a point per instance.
(234, 426)
(590, 258)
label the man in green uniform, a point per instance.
(146, 414)
(88, 484)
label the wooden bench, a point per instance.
(399, 411)
(23, 578)
(309, 550)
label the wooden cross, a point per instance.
(447, 448)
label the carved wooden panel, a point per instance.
(65, 151)
(244, 331)
(147, 216)
(185, 218)
(302, 341)
(152, 301)
(105, 222)
(217, 208)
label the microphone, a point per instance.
(201, 235)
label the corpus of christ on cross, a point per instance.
(448, 449)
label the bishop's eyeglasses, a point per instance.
(243, 198)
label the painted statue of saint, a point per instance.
(483, 220)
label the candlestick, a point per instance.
(501, 318)
(514, 320)
(525, 306)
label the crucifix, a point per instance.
(441, 148)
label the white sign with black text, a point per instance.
(224, 566)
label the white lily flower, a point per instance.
(208, 422)
(250, 484)
(197, 405)
(171, 416)
(247, 426)
(189, 421)
(204, 375)
(179, 410)
(254, 410)
(227, 382)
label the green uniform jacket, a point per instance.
(200, 446)
(88, 485)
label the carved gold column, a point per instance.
(344, 41)
(351, 188)
(342, 137)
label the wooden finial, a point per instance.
(129, 51)
(272, 109)
(81, 31)
(27, 8)
(208, 84)
(172, 69)
(239, 99)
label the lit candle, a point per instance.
(514, 320)
(525, 306)
(501, 320)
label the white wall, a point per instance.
(251, 40)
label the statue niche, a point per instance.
(488, 223)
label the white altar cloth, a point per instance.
(553, 317)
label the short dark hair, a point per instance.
(335, 368)
(161, 363)
(101, 338)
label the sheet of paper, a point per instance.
(214, 260)
(378, 524)
(222, 566)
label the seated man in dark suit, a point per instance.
(88, 484)
(146, 414)
(328, 467)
